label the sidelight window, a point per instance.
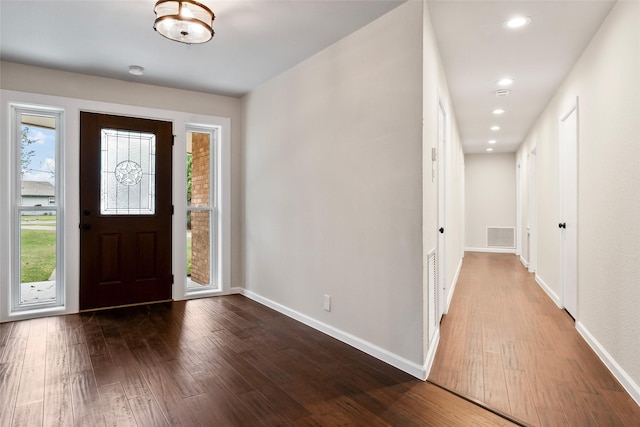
(202, 213)
(37, 212)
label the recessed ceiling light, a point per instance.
(492, 141)
(505, 82)
(517, 22)
(494, 128)
(498, 111)
(489, 149)
(136, 70)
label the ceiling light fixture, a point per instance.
(185, 21)
(498, 111)
(517, 22)
(505, 82)
(495, 128)
(136, 70)
(492, 141)
(489, 149)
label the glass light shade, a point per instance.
(184, 21)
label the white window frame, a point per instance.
(215, 226)
(17, 110)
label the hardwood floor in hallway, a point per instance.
(506, 344)
(222, 361)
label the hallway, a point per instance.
(506, 344)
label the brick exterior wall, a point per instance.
(200, 250)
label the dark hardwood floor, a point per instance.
(224, 361)
(506, 344)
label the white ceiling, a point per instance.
(256, 40)
(477, 50)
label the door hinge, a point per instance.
(173, 140)
(172, 279)
(173, 210)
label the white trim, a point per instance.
(71, 239)
(492, 250)
(28, 310)
(453, 287)
(431, 354)
(347, 338)
(623, 378)
(236, 290)
(554, 297)
(524, 262)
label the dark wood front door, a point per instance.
(125, 210)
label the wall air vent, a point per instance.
(502, 92)
(501, 237)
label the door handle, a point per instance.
(562, 225)
(441, 230)
(86, 212)
(86, 226)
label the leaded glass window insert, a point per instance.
(128, 175)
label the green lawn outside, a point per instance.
(38, 255)
(31, 219)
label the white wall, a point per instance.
(605, 79)
(490, 196)
(435, 92)
(333, 172)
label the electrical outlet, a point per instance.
(327, 302)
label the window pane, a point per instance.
(37, 160)
(198, 248)
(127, 184)
(198, 169)
(37, 257)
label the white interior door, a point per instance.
(518, 213)
(569, 209)
(533, 214)
(442, 265)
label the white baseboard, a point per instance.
(524, 262)
(453, 286)
(431, 354)
(554, 297)
(625, 380)
(492, 250)
(236, 290)
(371, 349)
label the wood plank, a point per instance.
(58, 407)
(9, 384)
(31, 387)
(28, 415)
(495, 385)
(87, 406)
(168, 397)
(520, 400)
(117, 411)
(147, 413)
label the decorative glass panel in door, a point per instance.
(128, 167)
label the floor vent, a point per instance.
(432, 275)
(501, 237)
